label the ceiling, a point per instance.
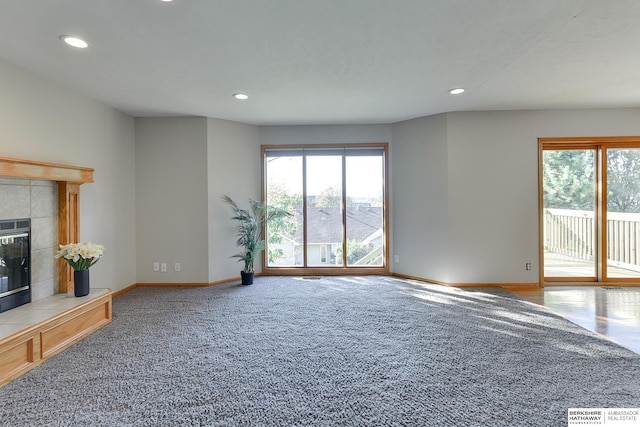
(331, 61)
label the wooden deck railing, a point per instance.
(623, 239)
(571, 233)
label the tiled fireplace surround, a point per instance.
(37, 200)
(48, 194)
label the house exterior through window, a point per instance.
(338, 199)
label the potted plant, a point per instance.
(80, 256)
(251, 225)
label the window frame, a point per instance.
(600, 145)
(331, 270)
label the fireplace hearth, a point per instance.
(15, 263)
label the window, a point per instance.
(337, 195)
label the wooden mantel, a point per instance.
(26, 348)
(69, 179)
(18, 168)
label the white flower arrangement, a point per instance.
(80, 256)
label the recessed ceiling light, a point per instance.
(74, 41)
(456, 91)
(241, 96)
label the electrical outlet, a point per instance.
(527, 266)
(163, 267)
(396, 258)
(177, 267)
(156, 266)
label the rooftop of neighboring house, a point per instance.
(325, 223)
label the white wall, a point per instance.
(419, 197)
(491, 187)
(42, 121)
(324, 134)
(463, 185)
(234, 169)
(171, 199)
(183, 167)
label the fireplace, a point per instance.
(15, 263)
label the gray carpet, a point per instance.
(342, 351)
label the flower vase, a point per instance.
(80, 283)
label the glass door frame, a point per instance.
(331, 270)
(600, 145)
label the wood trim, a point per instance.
(17, 356)
(589, 140)
(602, 212)
(601, 145)
(18, 168)
(387, 223)
(331, 271)
(61, 333)
(33, 345)
(124, 290)
(69, 178)
(68, 229)
(508, 286)
(540, 214)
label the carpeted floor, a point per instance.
(334, 351)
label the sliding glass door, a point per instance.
(338, 197)
(590, 213)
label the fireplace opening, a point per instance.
(15, 263)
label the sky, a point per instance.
(364, 174)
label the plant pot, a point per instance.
(247, 278)
(81, 283)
